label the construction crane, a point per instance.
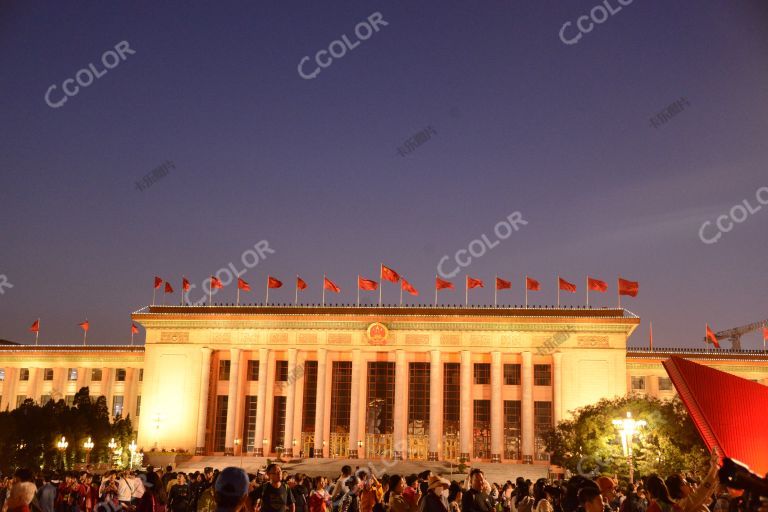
(735, 334)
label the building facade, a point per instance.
(430, 383)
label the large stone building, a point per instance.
(409, 382)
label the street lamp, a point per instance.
(112, 445)
(62, 447)
(628, 427)
(88, 445)
(264, 447)
(132, 448)
(359, 446)
(237, 444)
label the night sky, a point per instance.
(508, 119)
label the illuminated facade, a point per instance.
(431, 383)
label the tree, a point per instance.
(589, 443)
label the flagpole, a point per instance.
(323, 290)
(266, 300)
(296, 298)
(37, 333)
(381, 282)
(358, 292)
(210, 285)
(558, 290)
(650, 337)
(238, 294)
(401, 303)
(586, 283)
(85, 332)
(131, 337)
(154, 289)
(618, 293)
(435, 290)
(466, 290)
(495, 289)
(526, 290)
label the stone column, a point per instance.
(354, 416)
(202, 408)
(527, 408)
(129, 399)
(497, 401)
(557, 392)
(400, 439)
(466, 426)
(290, 400)
(107, 379)
(83, 379)
(9, 389)
(435, 405)
(261, 402)
(322, 363)
(298, 405)
(33, 385)
(234, 382)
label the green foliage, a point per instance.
(28, 434)
(590, 443)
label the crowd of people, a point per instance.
(233, 490)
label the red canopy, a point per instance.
(729, 412)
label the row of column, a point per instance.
(358, 405)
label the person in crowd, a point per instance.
(608, 490)
(274, 495)
(180, 496)
(154, 499)
(136, 485)
(397, 502)
(436, 499)
(591, 499)
(475, 499)
(206, 502)
(424, 482)
(319, 498)
(168, 475)
(340, 489)
(412, 490)
(370, 492)
(300, 493)
(661, 501)
(351, 501)
(46, 494)
(70, 494)
(523, 501)
(205, 481)
(455, 494)
(231, 490)
(691, 499)
(22, 492)
(91, 498)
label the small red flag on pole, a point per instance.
(35, 328)
(158, 284)
(215, 283)
(330, 286)
(627, 288)
(272, 283)
(242, 285)
(368, 285)
(168, 289)
(564, 285)
(595, 285)
(387, 274)
(184, 288)
(134, 330)
(300, 285)
(442, 284)
(530, 284)
(711, 337)
(765, 336)
(470, 283)
(85, 326)
(501, 284)
(405, 285)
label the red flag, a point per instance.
(765, 333)
(300, 284)
(184, 284)
(134, 329)
(216, 283)
(405, 285)
(273, 283)
(502, 284)
(35, 327)
(330, 285)
(441, 284)
(474, 283)
(532, 284)
(366, 284)
(628, 287)
(241, 284)
(565, 285)
(596, 285)
(158, 282)
(712, 338)
(84, 326)
(389, 274)
(168, 287)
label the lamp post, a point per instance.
(62, 447)
(132, 448)
(237, 445)
(359, 447)
(293, 447)
(628, 427)
(112, 445)
(88, 445)
(264, 447)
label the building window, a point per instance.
(482, 373)
(249, 422)
(24, 374)
(481, 433)
(252, 373)
(542, 425)
(48, 374)
(512, 431)
(665, 384)
(220, 423)
(96, 374)
(310, 397)
(281, 371)
(637, 383)
(278, 418)
(69, 400)
(120, 375)
(141, 374)
(542, 375)
(381, 398)
(224, 366)
(117, 405)
(512, 375)
(44, 399)
(20, 400)
(72, 374)
(2, 374)
(341, 395)
(451, 397)
(138, 406)
(418, 398)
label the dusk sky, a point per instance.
(516, 120)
